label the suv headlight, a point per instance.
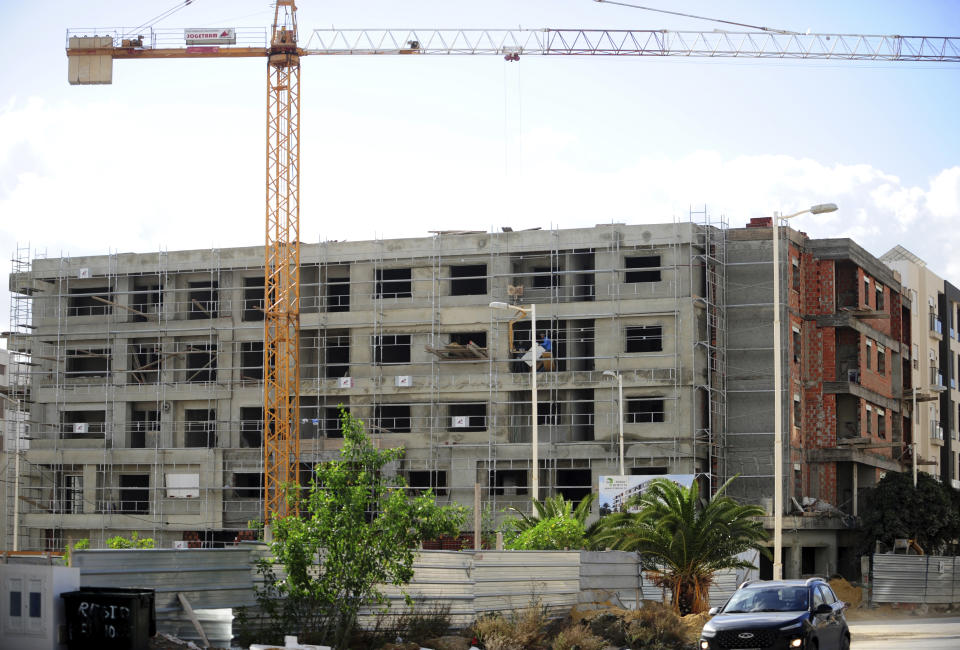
(708, 632)
(796, 643)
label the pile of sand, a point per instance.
(847, 592)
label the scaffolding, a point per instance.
(147, 371)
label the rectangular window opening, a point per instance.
(337, 292)
(251, 361)
(651, 264)
(253, 295)
(200, 428)
(248, 485)
(92, 301)
(509, 482)
(644, 339)
(146, 362)
(574, 484)
(201, 363)
(331, 422)
(251, 426)
(134, 493)
(392, 418)
(143, 421)
(203, 298)
(392, 348)
(420, 481)
(467, 417)
(545, 278)
(468, 280)
(394, 283)
(336, 347)
(87, 364)
(147, 299)
(644, 410)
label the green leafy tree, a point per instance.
(554, 524)
(553, 534)
(683, 539)
(357, 530)
(928, 513)
(135, 541)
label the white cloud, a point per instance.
(93, 180)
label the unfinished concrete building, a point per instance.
(846, 339)
(145, 375)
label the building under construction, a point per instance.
(144, 387)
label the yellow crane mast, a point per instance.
(281, 325)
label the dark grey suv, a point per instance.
(779, 615)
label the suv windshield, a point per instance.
(768, 599)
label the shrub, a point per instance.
(657, 627)
(135, 541)
(610, 627)
(413, 624)
(522, 630)
(577, 637)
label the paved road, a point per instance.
(915, 633)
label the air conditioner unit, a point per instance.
(81, 427)
(459, 421)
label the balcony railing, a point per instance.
(936, 377)
(936, 431)
(936, 325)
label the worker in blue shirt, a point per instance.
(545, 342)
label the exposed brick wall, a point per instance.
(825, 287)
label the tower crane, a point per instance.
(90, 60)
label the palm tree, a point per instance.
(555, 506)
(682, 539)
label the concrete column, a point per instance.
(89, 489)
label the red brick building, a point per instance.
(843, 411)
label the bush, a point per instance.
(554, 534)
(522, 630)
(610, 627)
(135, 541)
(577, 637)
(657, 627)
(413, 624)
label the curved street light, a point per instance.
(778, 389)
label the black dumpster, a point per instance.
(109, 617)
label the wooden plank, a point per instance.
(193, 618)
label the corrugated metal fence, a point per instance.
(213, 580)
(471, 584)
(930, 579)
(615, 577)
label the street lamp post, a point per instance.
(610, 373)
(534, 436)
(778, 388)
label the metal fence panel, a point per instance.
(209, 578)
(213, 580)
(930, 579)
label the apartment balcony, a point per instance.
(936, 326)
(936, 379)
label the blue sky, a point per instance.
(397, 146)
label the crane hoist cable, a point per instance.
(156, 19)
(715, 20)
